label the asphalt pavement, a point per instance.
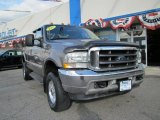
(20, 100)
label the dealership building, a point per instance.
(135, 21)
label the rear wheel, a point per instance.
(26, 72)
(58, 99)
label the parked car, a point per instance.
(10, 58)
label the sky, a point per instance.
(23, 5)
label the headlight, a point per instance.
(139, 56)
(76, 60)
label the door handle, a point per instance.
(35, 53)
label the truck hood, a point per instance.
(85, 44)
(73, 42)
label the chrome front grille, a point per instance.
(112, 58)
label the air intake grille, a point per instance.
(112, 58)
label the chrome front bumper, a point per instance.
(83, 81)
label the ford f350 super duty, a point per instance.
(74, 64)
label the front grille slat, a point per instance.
(118, 68)
(109, 55)
(117, 62)
(113, 58)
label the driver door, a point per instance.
(37, 52)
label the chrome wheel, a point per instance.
(52, 92)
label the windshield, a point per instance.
(68, 32)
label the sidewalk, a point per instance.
(152, 71)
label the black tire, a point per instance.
(62, 100)
(26, 72)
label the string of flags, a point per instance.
(97, 22)
(150, 21)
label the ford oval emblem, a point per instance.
(121, 58)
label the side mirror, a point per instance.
(29, 41)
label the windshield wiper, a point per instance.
(59, 38)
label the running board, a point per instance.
(36, 77)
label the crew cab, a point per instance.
(74, 64)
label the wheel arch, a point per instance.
(50, 65)
(23, 57)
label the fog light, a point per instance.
(139, 77)
(101, 84)
(112, 82)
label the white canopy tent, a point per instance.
(90, 9)
(112, 9)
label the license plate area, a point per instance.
(125, 85)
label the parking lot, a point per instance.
(20, 100)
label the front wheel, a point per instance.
(58, 99)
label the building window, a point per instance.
(125, 36)
(108, 34)
(136, 34)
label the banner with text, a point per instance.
(150, 21)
